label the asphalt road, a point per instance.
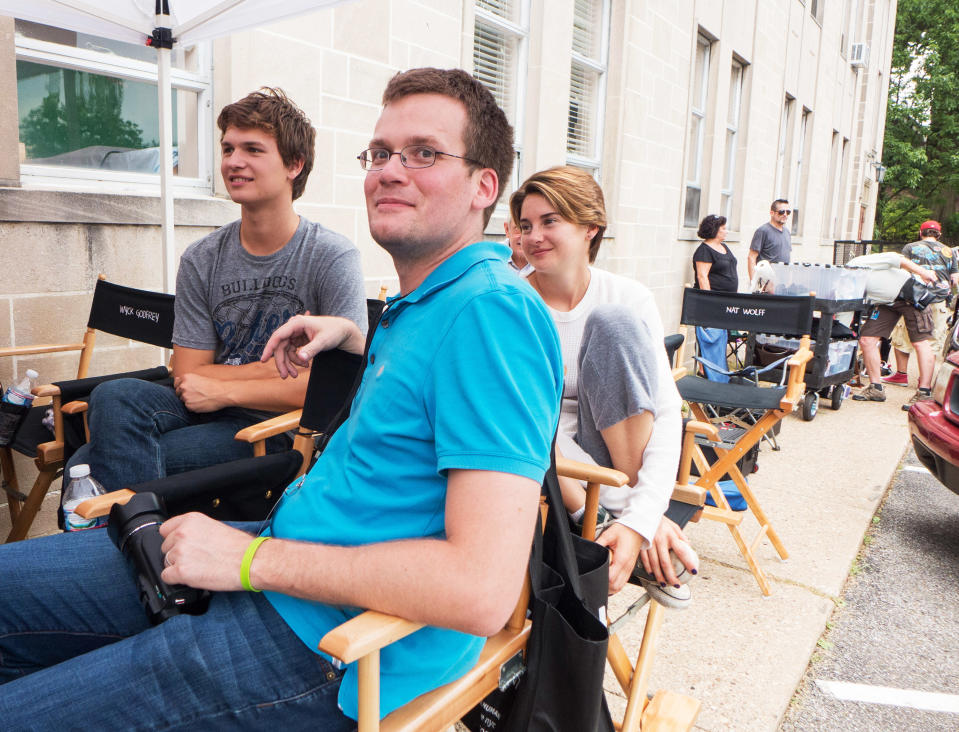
(889, 659)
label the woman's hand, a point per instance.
(303, 336)
(656, 560)
(624, 545)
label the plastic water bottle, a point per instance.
(16, 401)
(20, 393)
(81, 487)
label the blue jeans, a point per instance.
(712, 347)
(77, 651)
(141, 431)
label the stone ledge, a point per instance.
(68, 207)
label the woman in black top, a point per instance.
(714, 265)
(714, 268)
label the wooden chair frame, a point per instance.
(665, 709)
(727, 457)
(362, 638)
(50, 455)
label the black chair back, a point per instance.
(334, 378)
(240, 490)
(140, 315)
(672, 343)
(785, 315)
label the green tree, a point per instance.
(922, 122)
(89, 113)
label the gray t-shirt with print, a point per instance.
(772, 244)
(230, 301)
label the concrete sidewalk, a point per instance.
(740, 654)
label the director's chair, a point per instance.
(139, 315)
(664, 709)
(332, 381)
(775, 314)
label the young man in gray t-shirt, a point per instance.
(234, 288)
(771, 242)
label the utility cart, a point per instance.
(836, 347)
(835, 353)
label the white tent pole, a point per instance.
(165, 104)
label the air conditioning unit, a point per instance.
(859, 55)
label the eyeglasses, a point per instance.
(411, 156)
(786, 211)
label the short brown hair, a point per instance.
(772, 206)
(574, 194)
(270, 110)
(488, 136)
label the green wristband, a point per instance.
(248, 560)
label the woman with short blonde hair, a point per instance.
(620, 406)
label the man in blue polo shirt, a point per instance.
(422, 505)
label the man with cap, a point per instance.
(929, 252)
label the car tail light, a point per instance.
(943, 384)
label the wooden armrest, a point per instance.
(367, 632)
(74, 407)
(46, 390)
(30, 350)
(679, 372)
(694, 495)
(101, 505)
(270, 427)
(703, 428)
(590, 473)
(800, 357)
(795, 386)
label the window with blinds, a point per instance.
(494, 64)
(500, 33)
(505, 9)
(588, 28)
(580, 128)
(587, 79)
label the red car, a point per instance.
(934, 425)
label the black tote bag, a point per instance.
(562, 688)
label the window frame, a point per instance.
(816, 10)
(599, 67)
(801, 172)
(827, 222)
(700, 112)
(103, 64)
(727, 195)
(519, 31)
(784, 150)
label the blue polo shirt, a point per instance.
(464, 372)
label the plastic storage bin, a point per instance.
(839, 356)
(829, 282)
